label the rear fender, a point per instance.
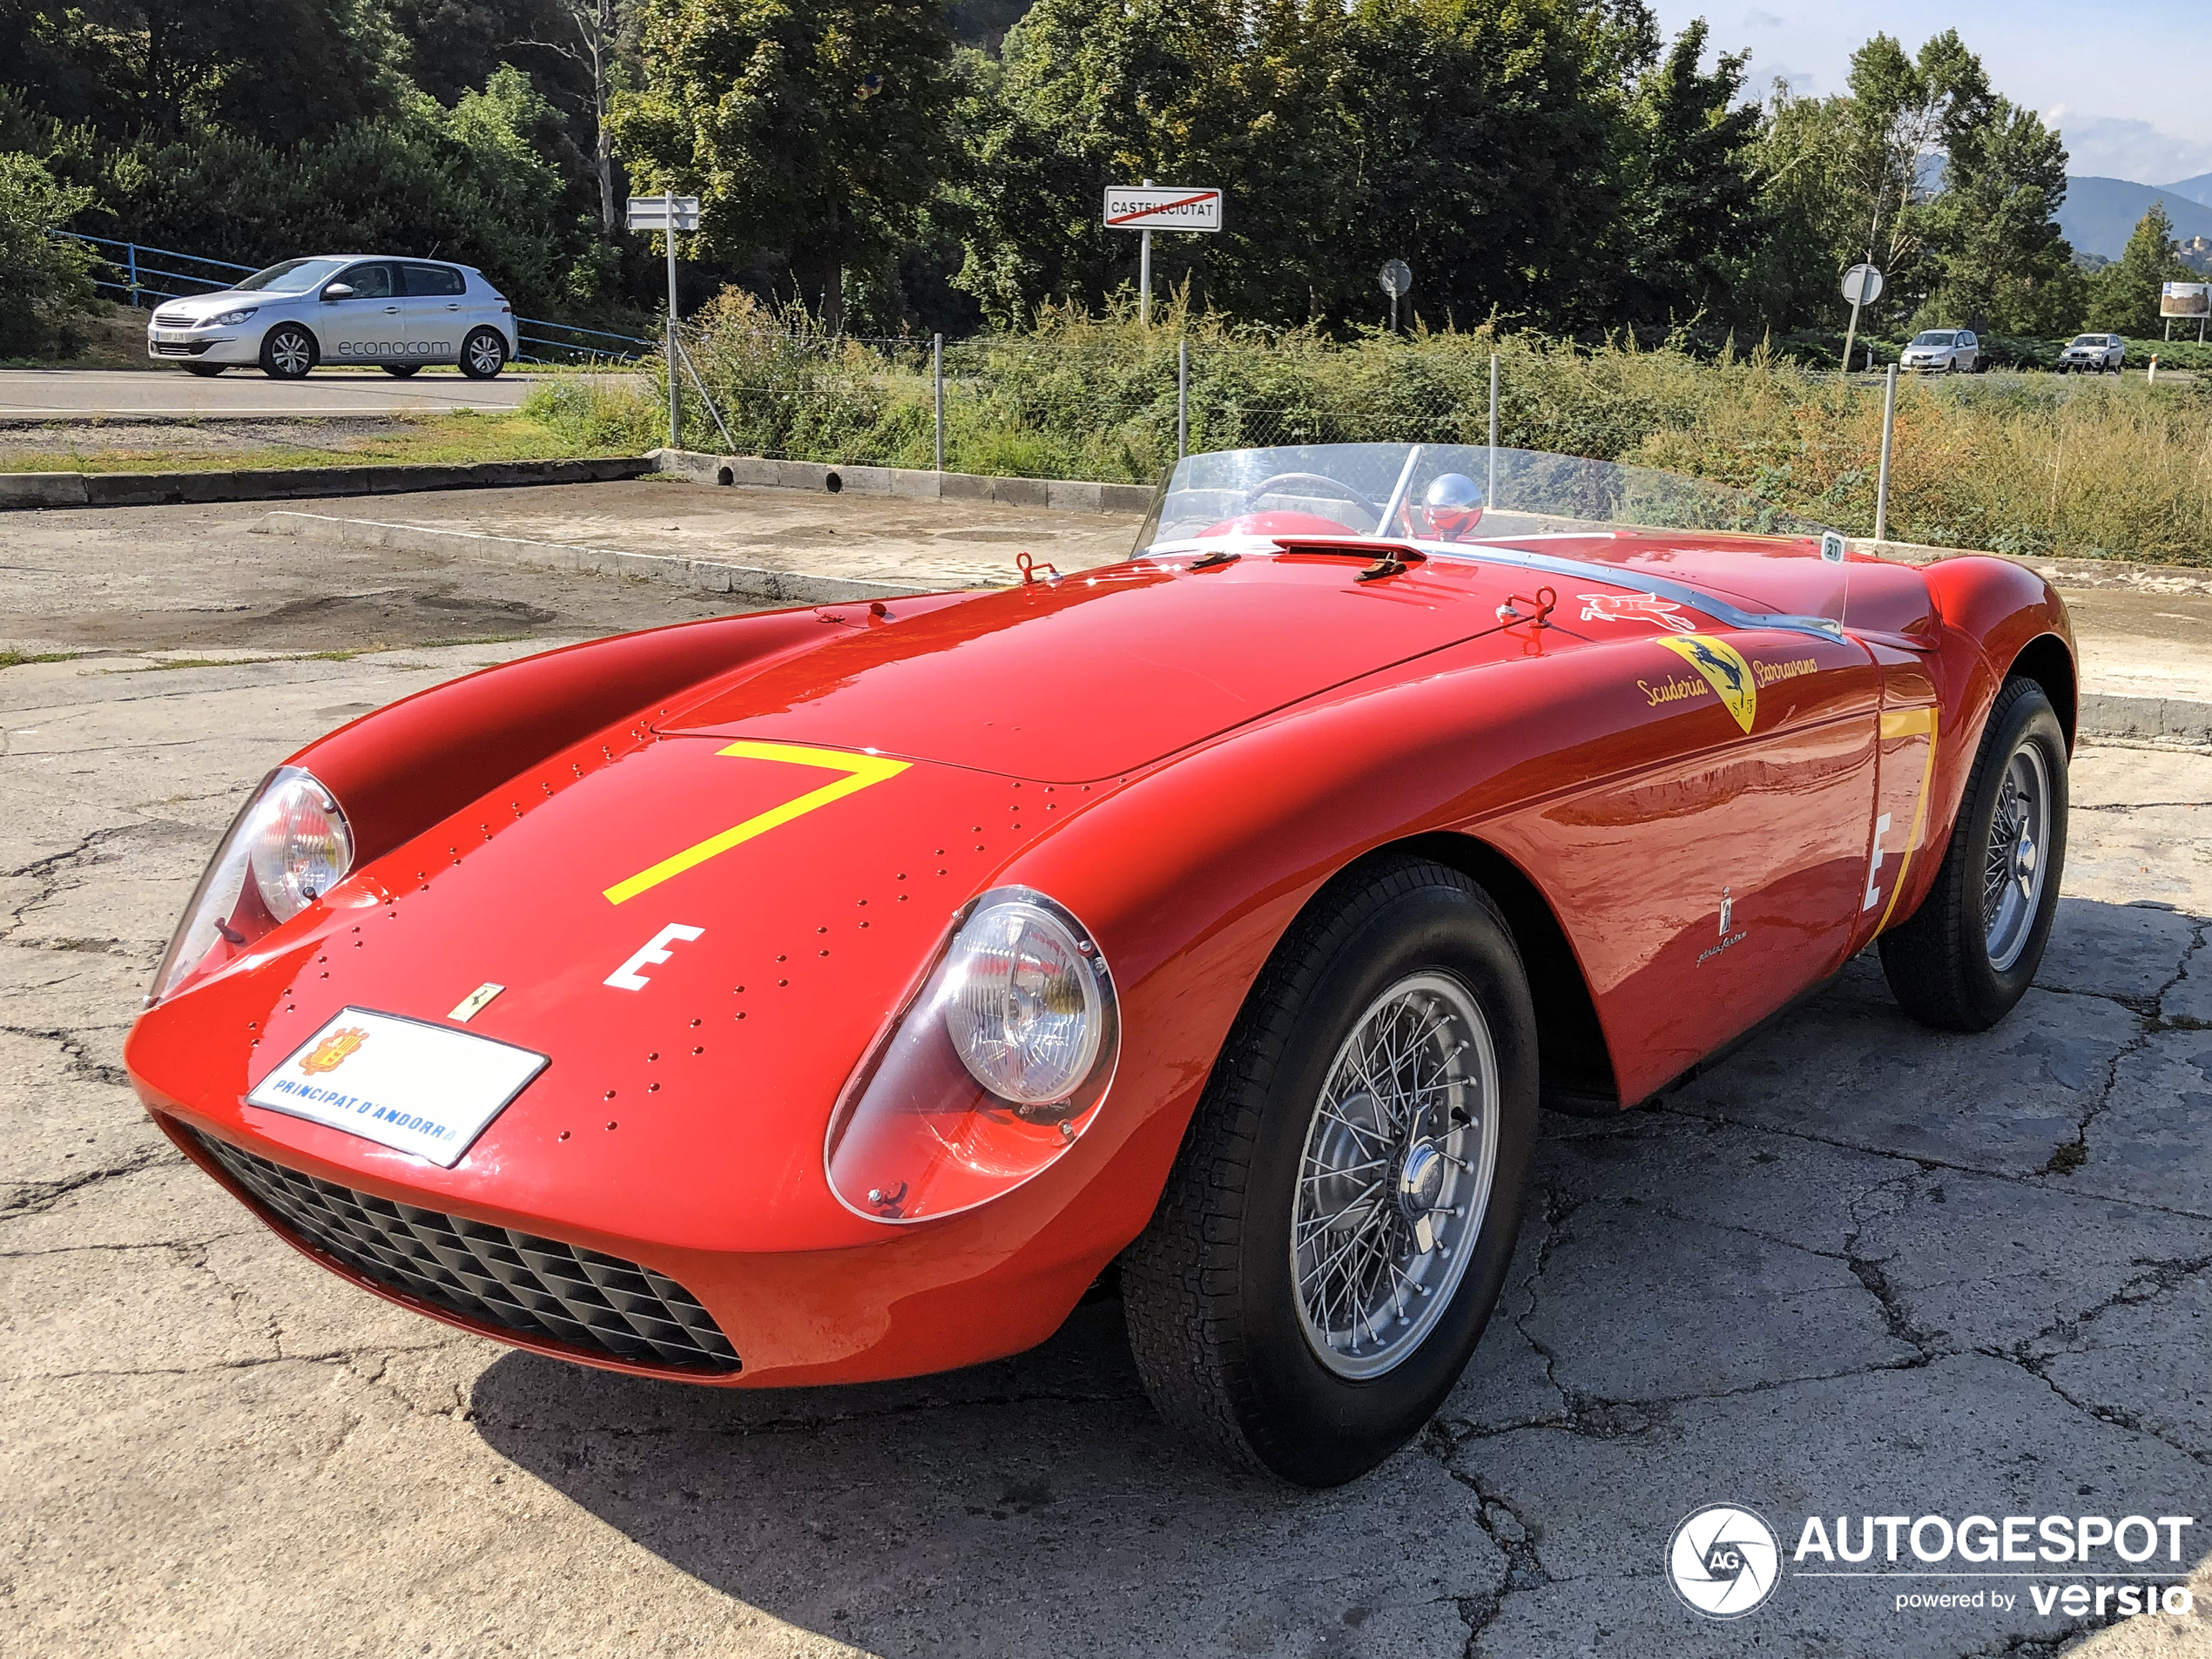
(1999, 619)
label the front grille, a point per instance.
(181, 348)
(491, 1275)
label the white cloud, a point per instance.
(1756, 19)
(2110, 147)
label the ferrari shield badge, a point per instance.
(1724, 670)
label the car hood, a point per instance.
(709, 1071)
(1092, 677)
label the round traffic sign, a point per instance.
(1861, 285)
(1397, 277)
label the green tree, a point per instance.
(278, 70)
(45, 282)
(1907, 115)
(815, 134)
(1476, 141)
(2124, 295)
(2004, 265)
(1691, 219)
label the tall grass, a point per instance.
(2024, 464)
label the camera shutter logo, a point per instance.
(1723, 1561)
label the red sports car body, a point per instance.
(689, 887)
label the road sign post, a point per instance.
(668, 215)
(1862, 286)
(1147, 207)
(1397, 277)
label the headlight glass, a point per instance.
(229, 318)
(1022, 1005)
(995, 1066)
(288, 848)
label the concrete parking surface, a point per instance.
(1856, 1269)
(50, 392)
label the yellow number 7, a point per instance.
(860, 772)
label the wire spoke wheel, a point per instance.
(2014, 864)
(1396, 1175)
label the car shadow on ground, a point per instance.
(1728, 1268)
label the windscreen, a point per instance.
(1934, 337)
(1422, 490)
(294, 276)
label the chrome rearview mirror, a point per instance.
(338, 291)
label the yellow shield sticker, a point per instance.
(1724, 670)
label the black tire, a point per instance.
(1215, 1316)
(205, 371)
(401, 371)
(288, 352)
(483, 354)
(1939, 963)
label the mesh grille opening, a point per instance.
(491, 1275)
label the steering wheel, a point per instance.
(1334, 487)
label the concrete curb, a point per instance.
(711, 576)
(2177, 720)
(1064, 495)
(282, 483)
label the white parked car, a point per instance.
(2093, 352)
(1943, 351)
(396, 313)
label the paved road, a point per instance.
(63, 391)
(1837, 1275)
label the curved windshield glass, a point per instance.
(1936, 337)
(294, 276)
(1440, 492)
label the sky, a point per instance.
(2129, 85)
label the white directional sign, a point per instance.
(653, 212)
(1162, 207)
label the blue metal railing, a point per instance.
(133, 278)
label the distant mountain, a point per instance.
(2098, 214)
(2198, 189)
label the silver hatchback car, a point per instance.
(396, 313)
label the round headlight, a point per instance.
(301, 846)
(1023, 1003)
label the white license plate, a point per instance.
(172, 335)
(425, 1089)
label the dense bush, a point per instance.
(2019, 464)
(45, 283)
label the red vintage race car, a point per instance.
(837, 994)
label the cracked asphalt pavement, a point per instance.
(1856, 1268)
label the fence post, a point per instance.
(1889, 427)
(1182, 397)
(132, 255)
(1490, 496)
(937, 389)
